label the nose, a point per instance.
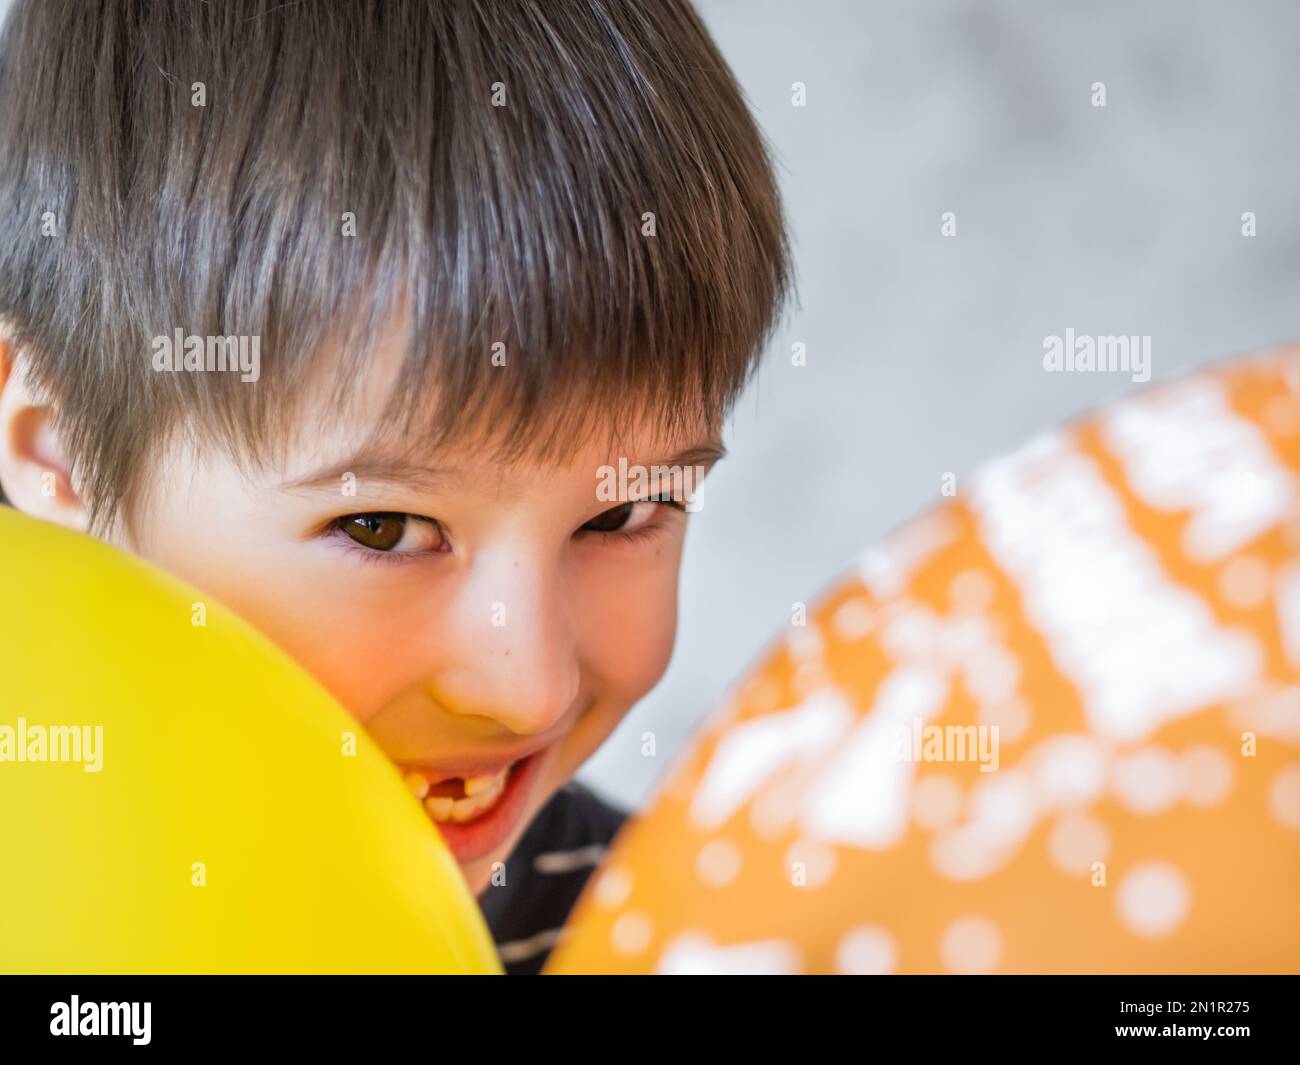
(508, 651)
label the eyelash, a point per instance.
(370, 556)
(649, 531)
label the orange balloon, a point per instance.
(1051, 726)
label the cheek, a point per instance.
(630, 624)
(342, 640)
(348, 649)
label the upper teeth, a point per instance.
(474, 785)
(481, 793)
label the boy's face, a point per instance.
(469, 614)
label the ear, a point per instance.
(34, 472)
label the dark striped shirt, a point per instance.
(545, 874)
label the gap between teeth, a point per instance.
(481, 793)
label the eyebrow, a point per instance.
(395, 472)
(376, 469)
(700, 455)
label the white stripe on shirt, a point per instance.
(553, 862)
(522, 949)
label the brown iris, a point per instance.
(380, 532)
(611, 520)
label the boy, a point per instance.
(338, 311)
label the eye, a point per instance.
(392, 533)
(611, 520)
(628, 518)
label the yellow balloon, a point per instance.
(177, 796)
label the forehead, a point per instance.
(331, 458)
(448, 450)
(386, 414)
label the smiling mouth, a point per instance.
(457, 800)
(476, 814)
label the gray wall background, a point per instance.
(924, 353)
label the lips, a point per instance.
(475, 809)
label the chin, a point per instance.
(478, 872)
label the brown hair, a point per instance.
(501, 161)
